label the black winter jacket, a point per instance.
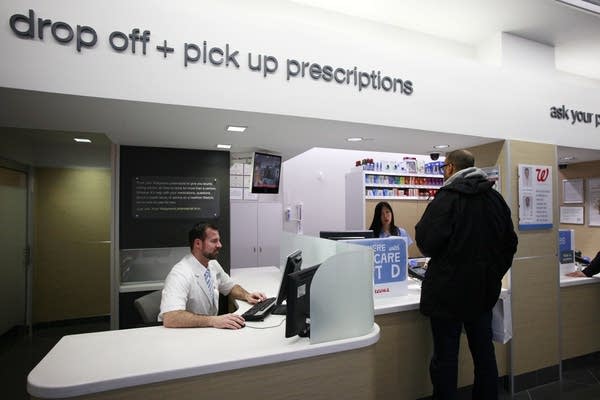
(468, 233)
(594, 266)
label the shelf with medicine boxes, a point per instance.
(400, 185)
(406, 180)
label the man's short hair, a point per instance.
(199, 232)
(461, 159)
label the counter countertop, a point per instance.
(409, 301)
(566, 281)
(254, 278)
(101, 361)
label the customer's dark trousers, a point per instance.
(444, 363)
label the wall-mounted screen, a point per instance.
(266, 169)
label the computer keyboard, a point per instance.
(417, 272)
(259, 311)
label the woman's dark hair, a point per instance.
(376, 223)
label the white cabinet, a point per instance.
(364, 185)
(255, 234)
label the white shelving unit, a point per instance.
(362, 185)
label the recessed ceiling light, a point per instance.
(441, 146)
(81, 140)
(223, 146)
(234, 128)
(354, 139)
(567, 158)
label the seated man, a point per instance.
(190, 297)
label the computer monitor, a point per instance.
(297, 318)
(346, 235)
(266, 169)
(292, 264)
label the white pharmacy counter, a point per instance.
(579, 298)
(158, 362)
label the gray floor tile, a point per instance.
(518, 396)
(589, 393)
(557, 390)
(595, 371)
(23, 353)
(581, 375)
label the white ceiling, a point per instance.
(163, 125)
(472, 22)
(469, 22)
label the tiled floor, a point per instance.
(19, 353)
(581, 381)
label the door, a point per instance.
(13, 243)
(270, 226)
(244, 248)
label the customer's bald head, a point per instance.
(461, 159)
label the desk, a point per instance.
(580, 321)
(157, 362)
(405, 348)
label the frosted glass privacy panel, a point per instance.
(144, 265)
(341, 296)
(314, 250)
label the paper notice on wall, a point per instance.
(236, 169)
(571, 215)
(236, 193)
(594, 201)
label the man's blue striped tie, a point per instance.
(209, 284)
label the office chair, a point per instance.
(148, 306)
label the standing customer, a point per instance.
(468, 233)
(383, 224)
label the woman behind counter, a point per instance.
(383, 224)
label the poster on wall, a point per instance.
(535, 197)
(175, 197)
(594, 202)
(572, 191)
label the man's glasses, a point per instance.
(444, 166)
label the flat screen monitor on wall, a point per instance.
(292, 264)
(297, 318)
(266, 169)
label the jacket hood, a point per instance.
(469, 181)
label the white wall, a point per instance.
(316, 178)
(454, 92)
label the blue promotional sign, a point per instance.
(564, 240)
(390, 263)
(565, 246)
